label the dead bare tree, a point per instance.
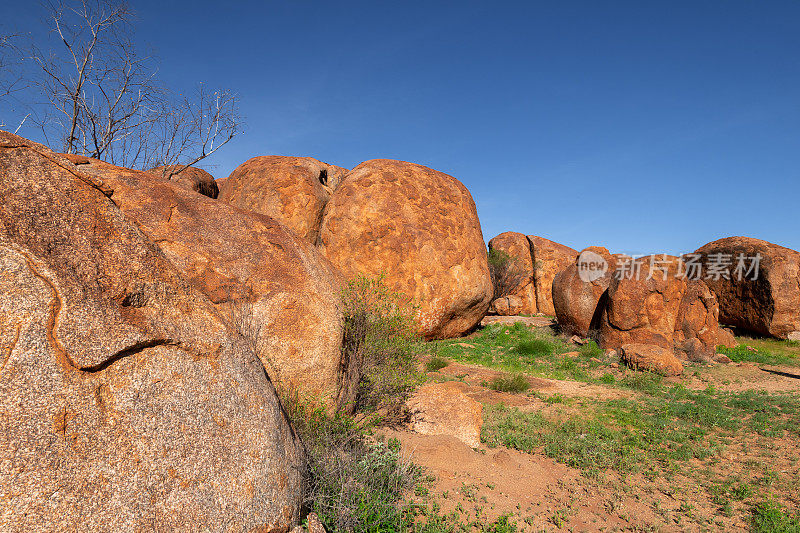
(11, 78)
(103, 100)
(190, 129)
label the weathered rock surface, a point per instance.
(769, 304)
(697, 332)
(517, 246)
(651, 358)
(292, 190)
(273, 287)
(127, 404)
(445, 409)
(549, 259)
(191, 178)
(659, 306)
(507, 306)
(420, 228)
(577, 290)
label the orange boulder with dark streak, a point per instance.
(420, 228)
(576, 300)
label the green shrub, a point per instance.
(352, 484)
(590, 349)
(436, 363)
(512, 383)
(506, 272)
(380, 348)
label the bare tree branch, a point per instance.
(103, 99)
(11, 78)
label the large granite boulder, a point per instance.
(127, 403)
(549, 258)
(292, 190)
(578, 289)
(517, 246)
(273, 287)
(763, 300)
(420, 228)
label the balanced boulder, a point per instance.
(420, 229)
(271, 286)
(292, 190)
(549, 258)
(127, 403)
(517, 246)
(578, 289)
(757, 284)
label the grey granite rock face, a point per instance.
(125, 402)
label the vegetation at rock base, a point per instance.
(506, 272)
(353, 482)
(380, 347)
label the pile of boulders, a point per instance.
(678, 304)
(415, 226)
(147, 317)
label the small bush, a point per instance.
(590, 349)
(436, 363)
(380, 348)
(512, 383)
(350, 483)
(506, 272)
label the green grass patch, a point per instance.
(770, 517)
(512, 383)
(762, 355)
(520, 349)
(651, 432)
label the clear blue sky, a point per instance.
(641, 126)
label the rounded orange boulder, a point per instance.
(292, 190)
(418, 227)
